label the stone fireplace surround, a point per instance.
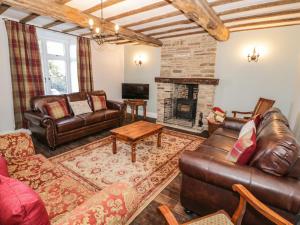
(167, 88)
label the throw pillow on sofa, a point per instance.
(98, 102)
(20, 205)
(3, 167)
(80, 107)
(247, 127)
(243, 149)
(57, 109)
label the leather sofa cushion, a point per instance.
(227, 132)
(69, 123)
(111, 114)
(78, 96)
(220, 141)
(277, 149)
(94, 117)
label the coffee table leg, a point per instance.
(159, 139)
(133, 152)
(114, 139)
(132, 113)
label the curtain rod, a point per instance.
(5, 19)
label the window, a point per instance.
(59, 64)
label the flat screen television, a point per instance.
(135, 91)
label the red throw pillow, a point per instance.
(3, 167)
(257, 119)
(98, 102)
(57, 109)
(20, 205)
(243, 149)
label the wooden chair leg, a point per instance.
(170, 218)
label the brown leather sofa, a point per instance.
(56, 132)
(273, 174)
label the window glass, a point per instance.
(57, 77)
(55, 48)
(73, 52)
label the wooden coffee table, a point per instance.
(135, 132)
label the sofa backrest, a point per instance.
(37, 103)
(77, 96)
(277, 147)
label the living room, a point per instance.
(146, 103)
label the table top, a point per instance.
(137, 130)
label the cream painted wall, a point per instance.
(6, 110)
(108, 69)
(144, 74)
(242, 83)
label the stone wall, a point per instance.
(190, 56)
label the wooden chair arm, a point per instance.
(246, 196)
(170, 218)
(243, 113)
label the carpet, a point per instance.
(95, 165)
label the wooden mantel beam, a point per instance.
(68, 14)
(200, 12)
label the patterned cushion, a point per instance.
(57, 109)
(112, 205)
(247, 127)
(243, 149)
(16, 145)
(3, 167)
(98, 102)
(219, 218)
(80, 107)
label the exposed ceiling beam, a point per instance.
(260, 28)
(28, 18)
(185, 34)
(72, 29)
(52, 24)
(3, 8)
(173, 30)
(62, 1)
(165, 25)
(152, 19)
(258, 6)
(263, 16)
(86, 34)
(200, 12)
(222, 2)
(270, 22)
(139, 10)
(97, 7)
(68, 14)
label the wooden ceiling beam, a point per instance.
(185, 34)
(165, 25)
(106, 4)
(258, 6)
(173, 30)
(153, 19)
(269, 27)
(263, 16)
(28, 18)
(200, 12)
(62, 1)
(71, 15)
(72, 29)
(222, 2)
(52, 24)
(139, 10)
(3, 8)
(270, 22)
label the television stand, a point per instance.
(134, 105)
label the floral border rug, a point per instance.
(94, 165)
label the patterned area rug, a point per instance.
(95, 165)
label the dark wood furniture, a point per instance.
(135, 132)
(261, 107)
(236, 219)
(134, 105)
(213, 126)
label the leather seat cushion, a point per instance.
(69, 123)
(220, 141)
(227, 132)
(94, 117)
(112, 114)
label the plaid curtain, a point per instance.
(85, 77)
(26, 71)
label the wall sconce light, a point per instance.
(138, 60)
(254, 57)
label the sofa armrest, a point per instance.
(112, 205)
(234, 123)
(115, 105)
(16, 145)
(38, 118)
(280, 192)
